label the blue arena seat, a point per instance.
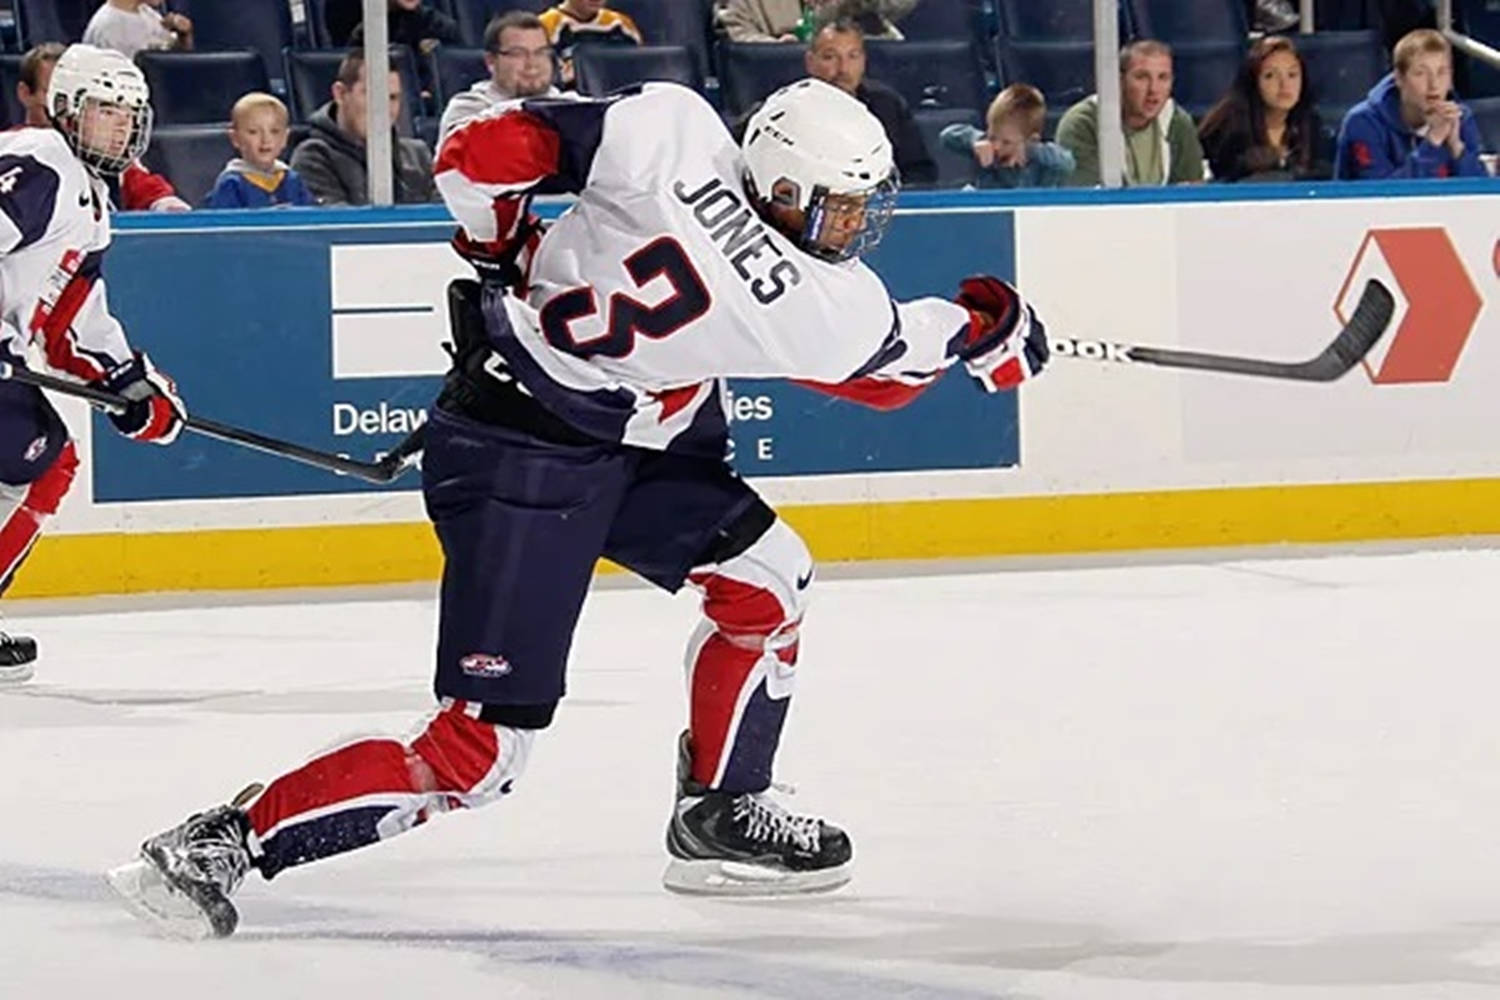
(265, 27)
(1204, 72)
(310, 77)
(954, 169)
(932, 20)
(749, 71)
(10, 104)
(1487, 115)
(473, 15)
(1342, 66)
(455, 70)
(190, 156)
(939, 74)
(1049, 20)
(189, 88)
(1178, 21)
(1063, 71)
(605, 68)
(40, 21)
(688, 23)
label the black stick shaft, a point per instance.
(371, 472)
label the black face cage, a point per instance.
(880, 204)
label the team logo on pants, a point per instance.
(484, 665)
(36, 448)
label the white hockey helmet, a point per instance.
(99, 101)
(809, 141)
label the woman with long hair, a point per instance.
(1267, 127)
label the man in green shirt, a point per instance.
(1161, 141)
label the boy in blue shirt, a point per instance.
(1411, 125)
(1010, 152)
(257, 178)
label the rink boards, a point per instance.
(323, 327)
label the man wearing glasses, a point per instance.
(519, 58)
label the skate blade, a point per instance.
(738, 878)
(149, 896)
(18, 673)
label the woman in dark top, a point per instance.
(1266, 127)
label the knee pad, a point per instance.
(757, 596)
(460, 755)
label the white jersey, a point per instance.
(54, 229)
(663, 280)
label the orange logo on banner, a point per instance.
(1441, 303)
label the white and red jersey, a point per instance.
(662, 280)
(54, 229)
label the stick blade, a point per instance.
(1372, 316)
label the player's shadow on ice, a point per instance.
(773, 964)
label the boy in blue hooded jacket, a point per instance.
(1410, 125)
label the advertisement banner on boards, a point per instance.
(1426, 388)
(329, 335)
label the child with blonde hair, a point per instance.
(257, 178)
(1010, 151)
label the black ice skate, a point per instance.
(184, 877)
(17, 658)
(748, 844)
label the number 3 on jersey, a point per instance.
(625, 316)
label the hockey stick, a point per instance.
(1371, 317)
(384, 471)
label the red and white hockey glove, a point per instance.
(156, 412)
(1006, 343)
(504, 261)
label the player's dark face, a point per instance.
(843, 218)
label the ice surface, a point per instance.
(1256, 779)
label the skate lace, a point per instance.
(214, 847)
(765, 819)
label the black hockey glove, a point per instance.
(156, 413)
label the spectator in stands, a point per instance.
(340, 18)
(797, 20)
(1010, 152)
(1411, 125)
(1267, 127)
(413, 23)
(1161, 142)
(257, 178)
(332, 159)
(138, 190)
(419, 27)
(520, 60)
(129, 26)
(837, 56)
(575, 22)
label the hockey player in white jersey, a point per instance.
(586, 418)
(54, 229)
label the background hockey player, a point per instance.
(54, 229)
(587, 418)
